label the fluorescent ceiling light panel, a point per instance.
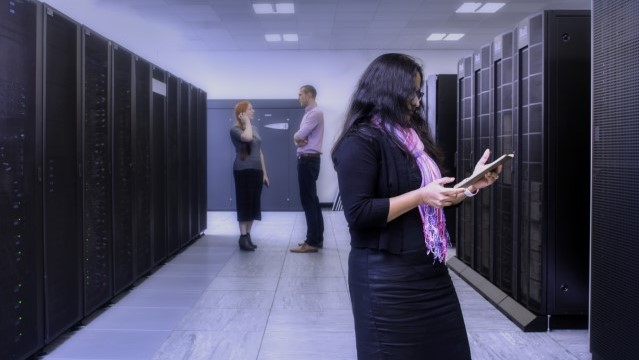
(263, 8)
(468, 7)
(490, 8)
(436, 37)
(285, 8)
(273, 37)
(290, 37)
(453, 37)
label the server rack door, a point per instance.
(183, 165)
(97, 204)
(62, 190)
(442, 112)
(465, 159)
(532, 266)
(21, 301)
(614, 314)
(193, 163)
(503, 259)
(172, 220)
(142, 167)
(201, 153)
(122, 107)
(568, 158)
(158, 166)
(483, 140)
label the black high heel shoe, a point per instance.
(251, 241)
(245, 244)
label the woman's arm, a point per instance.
(247, 133)
(265, 176)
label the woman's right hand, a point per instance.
(438, 196)
(244, 118)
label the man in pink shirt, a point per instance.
(308, 140)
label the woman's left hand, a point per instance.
(266, 181)
(489, 178)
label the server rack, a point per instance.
(201, 152)
(504, 132)
(61, 173)
(553, 150)
(442, 120)
(483, 136)
(614, 294)
(97, 191)
(21, 297)
(158, 166)
(122, 110)
(172, 178)
(465, 158)
(184, 215)
(142, 166)
(194, 208)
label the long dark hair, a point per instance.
(384, 90)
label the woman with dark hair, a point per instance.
(249, 172)
(403, 299)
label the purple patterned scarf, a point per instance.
(433, 220)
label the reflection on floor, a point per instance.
(213, 301)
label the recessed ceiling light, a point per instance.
(468, 7)
(273, 37)
(436, 37)
(263, 8)
(290, 37)
(490, 7)
(453, 37)
(285, 8)
(281, 8)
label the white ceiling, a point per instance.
(223, 25)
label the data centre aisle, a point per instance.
(213, 301)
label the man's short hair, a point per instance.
(309, 89)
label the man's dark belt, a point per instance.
(311, 155)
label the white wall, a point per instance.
(246, 74)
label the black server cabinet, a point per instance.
(21, 272)
(614, 296)
(61, 173)
(201, 155)
(158, 166)
(503, 143)
(142, 167)
(441, 100)
(483, 136)
(184, 216)
(553, 165)
(97, 194)
(172, 188)
(193, 162)
(465, 158)
(122, 110)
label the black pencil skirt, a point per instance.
(248, 194)
(405, 307)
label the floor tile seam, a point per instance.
(339, 253)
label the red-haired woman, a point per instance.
(249, 172)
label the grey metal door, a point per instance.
(276, 127)
(221, 191)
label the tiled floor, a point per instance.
(214, 302)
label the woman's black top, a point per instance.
(372, 168)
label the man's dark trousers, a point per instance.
(307, 173)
